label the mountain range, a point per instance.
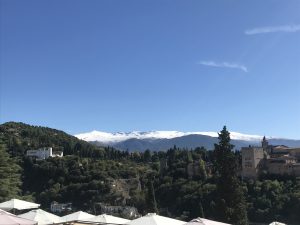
(163, 140)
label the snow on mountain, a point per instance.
(116, 137)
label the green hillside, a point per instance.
(86, 176)
(20, 137)
(179, 183)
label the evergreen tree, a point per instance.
(147, 156)
(9, 176)
(202, 169)
(152, 205)
(201, 210)
(231, 206)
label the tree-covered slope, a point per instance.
(10, 175)
(20, 137)
(178, 182)
(87, 175)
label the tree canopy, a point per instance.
(231, 205)
(179, 183)
(10, 176)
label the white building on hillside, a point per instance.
(43, 153)
(58, 207)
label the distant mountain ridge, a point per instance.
(163, 140)
(107, 137)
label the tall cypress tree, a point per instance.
(152, 205)
(231, 205)
(9, 175)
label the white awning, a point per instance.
(103, 218)
(77, 216)
(153, 219)
(10, 219)
(41, 216)
(18, 204)
(202, 221)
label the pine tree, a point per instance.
(231, 206)
(201, 210)
(9, 176)
(202, 169)
(152, 205)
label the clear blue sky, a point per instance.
(123, 65)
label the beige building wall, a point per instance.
(284, 165)
(295, 152)
(251, 161)
(280, 168)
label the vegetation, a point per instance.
(179, 183)
(10, 176)
(231, 205)
(20, 137)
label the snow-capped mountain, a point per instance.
(109, 138)
(163, 140)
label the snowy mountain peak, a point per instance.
(108, 138)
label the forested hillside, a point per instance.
(20, 137)
(179, 183)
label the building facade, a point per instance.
(277, 160)
(56, 207)
(43, 153)
(252, 161)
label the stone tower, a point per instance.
(264, 143)
(252, 159)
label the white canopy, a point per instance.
(277, 223)
(10, 219)
(202, 221)
(41, 216)
(77, 216)
(153, 219)
(103, 218)
(18, 204)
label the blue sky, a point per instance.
(123, 65)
